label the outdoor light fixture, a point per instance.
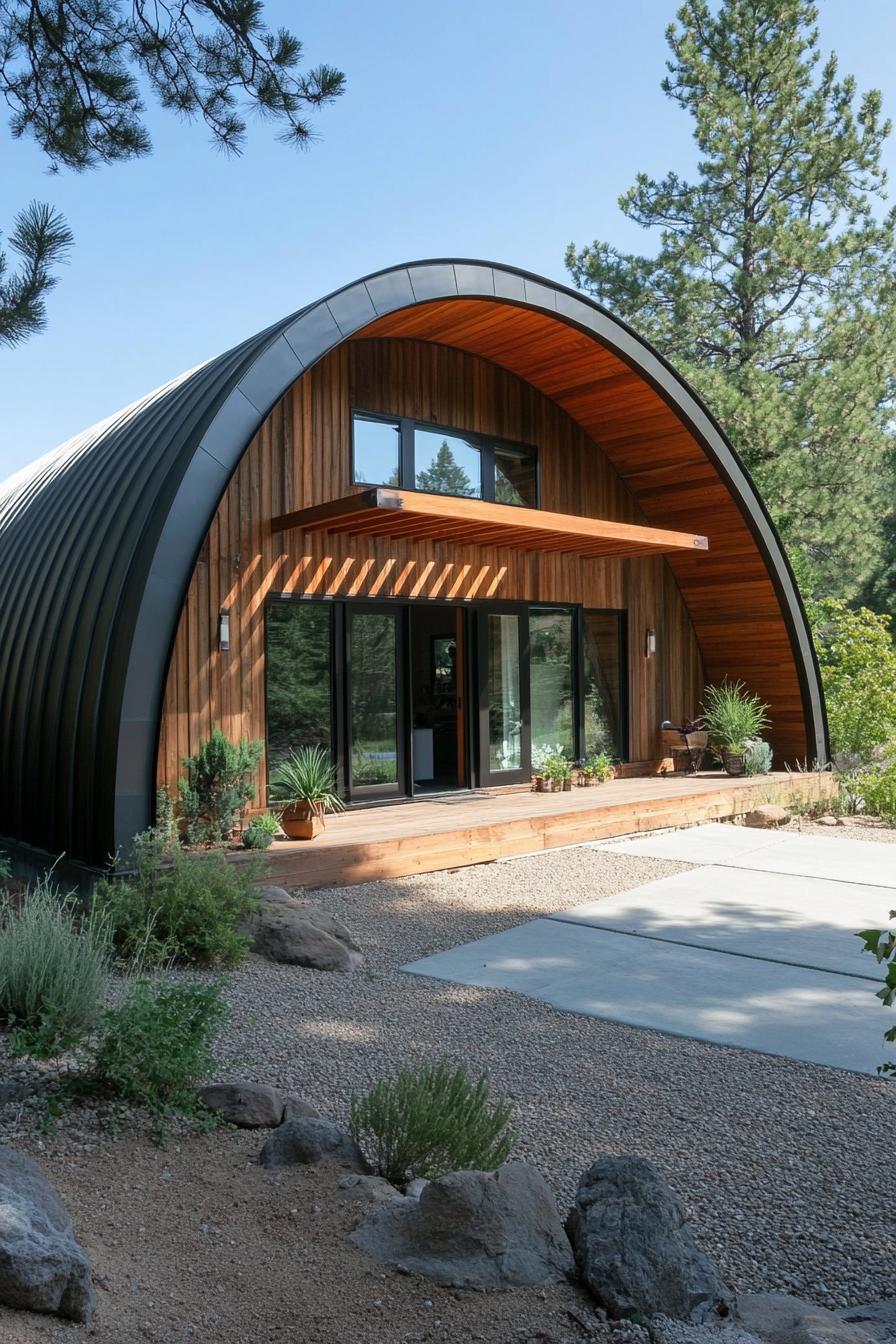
(650, 644)
(224, 629)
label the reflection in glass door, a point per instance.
(376, 727)
(503, 698)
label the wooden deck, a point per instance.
(455, 830)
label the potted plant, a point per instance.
(600, 766)
(734, 719)
(304, 787)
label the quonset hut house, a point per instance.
(442, 520)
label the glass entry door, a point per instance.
(504, 726)
(376, 719)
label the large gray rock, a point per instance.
(42, 1267)
(248, 1105)
(474, 1229)
(634, 1249)
(285, 930)
(781, 1319)
(307, 1141)
(877, 1319)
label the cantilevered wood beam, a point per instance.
(418, 516)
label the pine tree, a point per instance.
(446, 476)
(772, 285)
(72, 74)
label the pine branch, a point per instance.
(42, 239)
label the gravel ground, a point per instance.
(853, 828)
(770, 1156)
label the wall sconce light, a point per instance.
(650, 644)
(224, 629)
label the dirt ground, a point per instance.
(196, 1242)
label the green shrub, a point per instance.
(857, 658)
(732, 716)
(178, 905)
(54, 970)
(431, 1121)
(261, 831)
(155, 1047)
(758, 759)
(218, 786)
(877, 790)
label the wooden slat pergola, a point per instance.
(408, 513)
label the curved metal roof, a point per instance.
(98, 541)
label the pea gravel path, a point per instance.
(772, 1157)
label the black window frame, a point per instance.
(484, 443)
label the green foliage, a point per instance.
(881, 943)
(857, 657)
(261, 830)
(178, 905)
(54, 970)
(732, 716)
(877, 792)
(74, 78)
(156, 1046)
(758, 759)
(42, 240)
(5, 867)
(305, 776)
(446, 476)
(599, 765)
(770, 283)
(429, 1122)
(557, 767)
(218, 786)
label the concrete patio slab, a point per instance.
(777, 917)
(777, 1008)
(855, 861)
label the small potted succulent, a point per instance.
(303, 786)
(734, 720)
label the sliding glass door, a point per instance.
(376, 711)
(504, 731)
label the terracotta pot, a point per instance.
(556, 786)
(567, 786)
(588, 781)
(303, 821)
(735, 762)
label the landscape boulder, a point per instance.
(362, 1189)
(767, 817)
(877, 1319)
(42, 1267)
(309, 1140)
(297, 1108)
(286, 930)
(474, 1229)
(780, 1319)
(247, 1105)
(634, 1249)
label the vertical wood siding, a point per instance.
(301, 456)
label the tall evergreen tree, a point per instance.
(772, 284)
(74, 75)
(445, 475)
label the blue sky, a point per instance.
(479, 128)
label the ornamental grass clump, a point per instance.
(429, 1121)
(733, 717)
(54, 970)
